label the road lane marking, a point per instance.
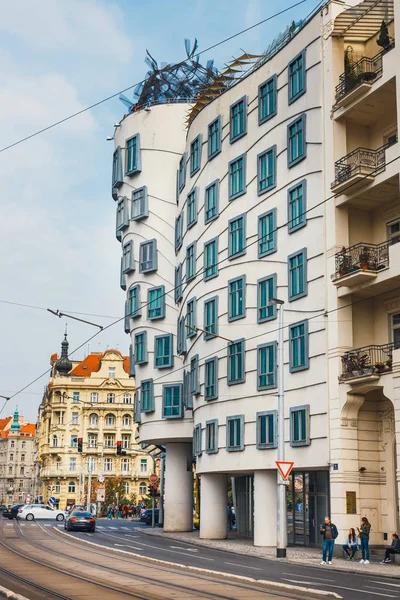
(340, 587)
(129, 546)
(110, 527)
(132, 537)
(307, 577)
(384, 583)
(375, 587)
(244, 566)
(100, 526)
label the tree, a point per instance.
(114, 487)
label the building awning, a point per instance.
(362, 21)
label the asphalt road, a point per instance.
(127, 536)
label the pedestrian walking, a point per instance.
(329, 532)
(394, 548)
(351, 545)
(363, 533)
(110, 512)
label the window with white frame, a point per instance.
(75, 417)
(92, 440)
(94, 397)
(109, 440)
(125, 467)
(126, 488)
(71, 487)
(127, 399)
(110, 419)
(126, 441)
(75, 396)
(139, 209)
(142, 489)
(126, 420)
(91, 464)
(72, 464)
(143, 465)
(110, 398)
(108, 465)
(395, 323)
(93, 420)
(111, 372)
(148, 256)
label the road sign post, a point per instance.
(153, 478)
(284, 467)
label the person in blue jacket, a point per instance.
(352, 544)
(330, 533)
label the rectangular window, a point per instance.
(266, 170)
(237, 236)
(126, 440)
(122, 216)
(211, 318)
(238, 119)
(297, 77)
(74, 440)
(190, 261)
(236, 362)
(75, 416)
(147, 395)
(197, 440)
(237, 298)
(194, 375)
(108, 465)
(132, 371)
(266, 429)
(267, 233)
(128, 264)
(140, 348)
(163, 351)
(214, 137)
(237, 177)
(191, 318)
(210, 256)
(140, 208)
(111, 372)
(297, 275)
(211, 379)
(172, 401)
(182, 172)
(300, 426)
(75, 396)
(117, 178)
(148, 256)
(94, 397)
(296, 141)
(266, 289)
(195, 155)
(191, 208)
(298, 346)
(212, 436)
(181, 337)
(178, 289)
(134, 304)
(266, 366)
(178, 232)
(297, 196)
(211, 202)
(235, 433)
(133, 162)
(156, 303)
(187, 396)
(267, 100)
(72, 464)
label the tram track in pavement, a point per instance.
(260, 589)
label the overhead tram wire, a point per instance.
(333, 196)
(99, 102)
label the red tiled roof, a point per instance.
(26, 428)
(92, 362)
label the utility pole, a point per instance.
(161, 513)
(89, 492)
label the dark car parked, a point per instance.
(80, 521)
(146, 516)
(12, 512)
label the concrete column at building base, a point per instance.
(265, 508)
(178, 503)
(213, 506)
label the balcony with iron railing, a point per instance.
(359, 77)
(367, 361)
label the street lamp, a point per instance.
(282, 507)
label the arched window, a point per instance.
(94, 419)
(142, 489)
(110, 419)
(54, 441)
(126, 420)
(71, 487)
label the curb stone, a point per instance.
(6, 593)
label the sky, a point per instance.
(57, 227)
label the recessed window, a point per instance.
(197, 440)
(267, 233)
(128, 264)
(140, 348)
(237, 177)
(236, 362)
(132, 370)
(266, 366)
(211, 379)
(187, 396)
(297, 275)
(133, 159)
(195, 155)
(266, 429)
(212, 436)
(296, 141)
(110, 398)
(194, 375)
(297, 196)
(75, 396)
(111, 372)
(191, 208)
(211, 202)
(156, 303)
(191, 329)
(393, 229)
(235, 433)
(300, 426)
(267, 100)
(181, 336)
(134, 304)
(163, 351)
(211, 318)
(237, 298)
(266, 170)
(122, 216)
(178, 289)
(172, 401)
(298, 346)
(117, 177)
(148, 256)
(237, 236)
(178, 232)
(140, 208)
(266, 289)
(75, 417)
(297, 77)
(190, 261)
(74, 440)
(182, 173)
(147, 395)
(238, 119)
(214, 137)
(210, 256)
(136, 407)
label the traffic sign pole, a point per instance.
(282, 507)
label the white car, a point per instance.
(30, 512)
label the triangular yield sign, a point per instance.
(284, 468)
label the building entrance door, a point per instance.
(307, 505)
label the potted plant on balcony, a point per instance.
(364, 258)
(344, 262)
(380, 367)
(389, 364)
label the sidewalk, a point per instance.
(299, 554)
